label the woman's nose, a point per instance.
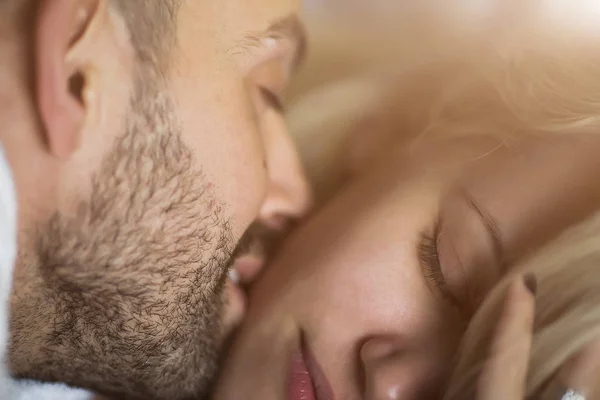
(385, 373)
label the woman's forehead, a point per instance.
(531, 191)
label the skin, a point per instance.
(396, 340)
(505, 373)
(132, 202)
(313, 285)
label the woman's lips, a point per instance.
(301, 384)
(322, 387)
(307, 381)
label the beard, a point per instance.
(126, 294)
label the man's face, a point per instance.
(121, 287)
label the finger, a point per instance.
(505, 373)
(581, 374)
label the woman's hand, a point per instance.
(580, 375)
(505, 373)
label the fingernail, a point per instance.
(530, 282)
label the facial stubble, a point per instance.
(130, 288)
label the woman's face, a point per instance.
(369, 298)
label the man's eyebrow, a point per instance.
(288, 28)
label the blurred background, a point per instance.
(350, 42)
(356, 48)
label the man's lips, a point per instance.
(244, 270)
(307, 381)
(248, 267)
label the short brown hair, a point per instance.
(152, 25)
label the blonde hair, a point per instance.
(567, 310)
(530, 77)
(522, 71)
(528, 69)
(519, 77)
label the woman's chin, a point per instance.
(259, 362)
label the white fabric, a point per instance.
(9, 389)
(8, 208)
(39, 391)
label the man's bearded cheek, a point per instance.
(133, 285)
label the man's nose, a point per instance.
(289, 194)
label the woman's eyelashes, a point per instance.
(272, 100)
(432, 268)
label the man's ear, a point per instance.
(64, 31)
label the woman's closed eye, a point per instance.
(432, 268)
(461, 256)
